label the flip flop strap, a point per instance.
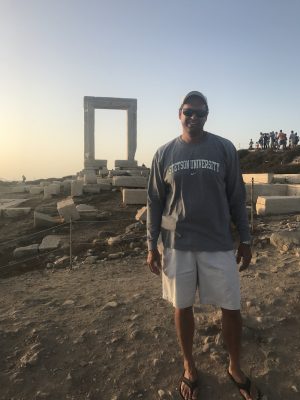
(190, 384)
(244, 386)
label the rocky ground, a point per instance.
(101, 330)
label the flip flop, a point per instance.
(192, 385)
(244, 386)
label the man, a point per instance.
(291, 139)
(282, 139)
(195, 190)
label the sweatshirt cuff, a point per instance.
(152, 245)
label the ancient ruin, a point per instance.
(108, 103)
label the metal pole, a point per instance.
(70, 243)
(252, 205)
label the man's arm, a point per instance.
(236, 195)
(155, 205)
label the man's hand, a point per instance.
(244, 254)
(154, 261)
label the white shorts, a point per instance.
(214, 274)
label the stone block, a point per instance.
(41, 220)
(134, 196)
(105, 181)
(103, 172)
(265, 190)
(89, 177)
(18, 189)
(26, 251)
(91, 188)
(141, 214)
(15, 212)
(9, 203)
(36, 190)
(86, 211)
(76, 188)
(51, 190)
(118, 172)
(53, 242)
(258, 178)
(285, 239)
(125, 163)
(130, 181)
(287, 178)
(105, 186)
(67, 210)
(293, 190)
(270, 205)
(66, 184)
(95, 164)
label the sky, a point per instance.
(243, 55)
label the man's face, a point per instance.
(193, 122)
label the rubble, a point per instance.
(141, 214)
(51, 190)
(53, 242)
(91, 188)
(268, 205)
(130, 181)
(36, 190)
(285, 240)
(41, 220)
(67, 210)
(26, 251)
(15, 212)
(86, 211)
(76, 188)
(134, 196)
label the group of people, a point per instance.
(275, 140)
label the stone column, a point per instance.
(89, 132)
(131, 133)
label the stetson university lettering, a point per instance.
(194, 165)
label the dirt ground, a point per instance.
(102, 332)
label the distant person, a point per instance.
(251, 144)
(276, 140)
(265, 140)
(195, 190)
(291, 139)
(272, 139)
(282, 139)
(296, 139)
(261, 140)
(23, 178)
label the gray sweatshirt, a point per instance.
(194, 192)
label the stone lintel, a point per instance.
(95, 164)
(125, 163)
(109, 103)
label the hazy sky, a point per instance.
(243, 55)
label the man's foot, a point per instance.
(189, 385)
(246, 388)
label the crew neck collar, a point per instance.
(201, 140)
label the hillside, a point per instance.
(276, 161)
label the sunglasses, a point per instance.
(189, 112)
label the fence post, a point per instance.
(252, 204)
(71, 243)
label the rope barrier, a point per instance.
(60, 225)
(34, 234)
(72, 243)
(29, 259)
